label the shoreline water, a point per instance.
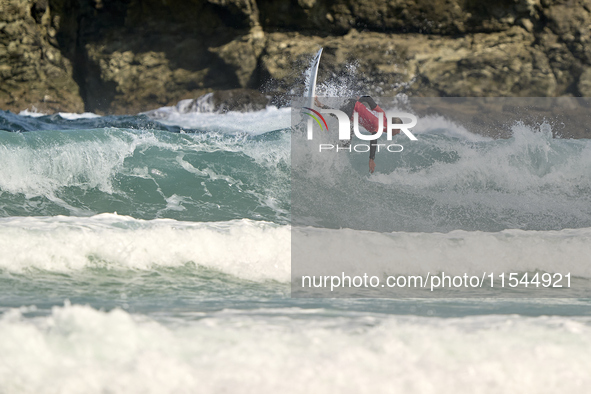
(187, 287)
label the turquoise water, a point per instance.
(153, 255)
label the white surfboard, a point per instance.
(311, 91)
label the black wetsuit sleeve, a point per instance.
(372, 149)
(367, 100)
(349, 107)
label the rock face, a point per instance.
(137, 55)
(33, 71)
(128, 56)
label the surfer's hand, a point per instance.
(372, 166)
(317, 102)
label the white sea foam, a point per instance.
(32, 113)
(254, 123)
(443, 126)
(531, 160)
(73, 116)
(261, 251)
(66, 115)
(455, 253)
(77, 349)
(244, 248)
(35, 165)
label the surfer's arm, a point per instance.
(319, 104)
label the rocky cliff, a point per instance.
(128, 56)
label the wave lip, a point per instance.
(212, 176)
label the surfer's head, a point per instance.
(367, 100)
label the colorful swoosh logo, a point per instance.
(316, 118)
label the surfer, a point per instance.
(368, 119)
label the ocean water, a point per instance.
(152, 255)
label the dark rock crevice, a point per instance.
(38, 10)
(82, 22)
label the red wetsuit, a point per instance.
(367, 119)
